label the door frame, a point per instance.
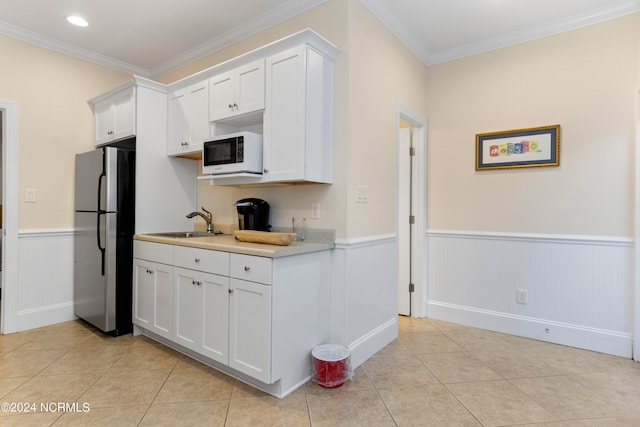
(419, 140)
(635, 351)
(9, 308)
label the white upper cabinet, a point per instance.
(298, 116)
(188, 119)
(115, 116)
(237, 92)
(283, 90)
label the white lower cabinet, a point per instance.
(256, 318)
(225, 319)
(153, 288)
(202, 313)
(250, 329)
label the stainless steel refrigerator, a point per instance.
(104, 228)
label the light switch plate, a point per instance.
(30, 195)
(315, 210)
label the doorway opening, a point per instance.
(411, 212)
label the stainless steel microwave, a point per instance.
(239, 152)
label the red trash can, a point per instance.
(331, 366)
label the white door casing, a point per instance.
(406, 232)
(419, 208)
(9, 309)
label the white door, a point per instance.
(407, 241)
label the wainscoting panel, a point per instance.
(45, 279)
(365, 295)
(578, 289)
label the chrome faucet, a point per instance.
(208, 218)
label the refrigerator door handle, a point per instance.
(100, 178)
(100, 212)
(102, 250)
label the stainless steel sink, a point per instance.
(182, 234)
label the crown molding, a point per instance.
(616, 10)
(21, 34)
(285, 11)
(254, 26)
(386, 15)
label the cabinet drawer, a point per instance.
(252, 268)
(202, 260)
(156, 252)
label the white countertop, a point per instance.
(228, 243)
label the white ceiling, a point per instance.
(152, 37)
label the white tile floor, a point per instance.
(435, 374)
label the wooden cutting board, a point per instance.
(281, 239)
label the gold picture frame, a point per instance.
(521, 148)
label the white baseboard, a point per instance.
(371, 343)
(599, 340)
(45, 316)
(578, 287)
(364, 295)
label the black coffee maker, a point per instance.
(253, 214)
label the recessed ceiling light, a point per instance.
(77, 20)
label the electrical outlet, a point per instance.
(522, 295)
(362, 194)
(315, 210)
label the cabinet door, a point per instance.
(153, 297)
(188, 119)
(197, 112)
(249, 90)
(124, 114)
(104, 121)
(250, 329)
(215, 317)
(115, 117)
(188, 309)
(178, 123)
(237, 92)
(202, 313)
(284, 121)
(221, 96)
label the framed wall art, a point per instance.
(522, 148)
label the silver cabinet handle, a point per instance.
(230, 291)
(247, 268)
(231, 106)
(149, 271)
(235, 106)
(194, 282)
(197, 260)
(265, 170)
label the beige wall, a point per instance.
(373, 72)
(55, 123)
(382, 72)
(586, 80)
(291, 201)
